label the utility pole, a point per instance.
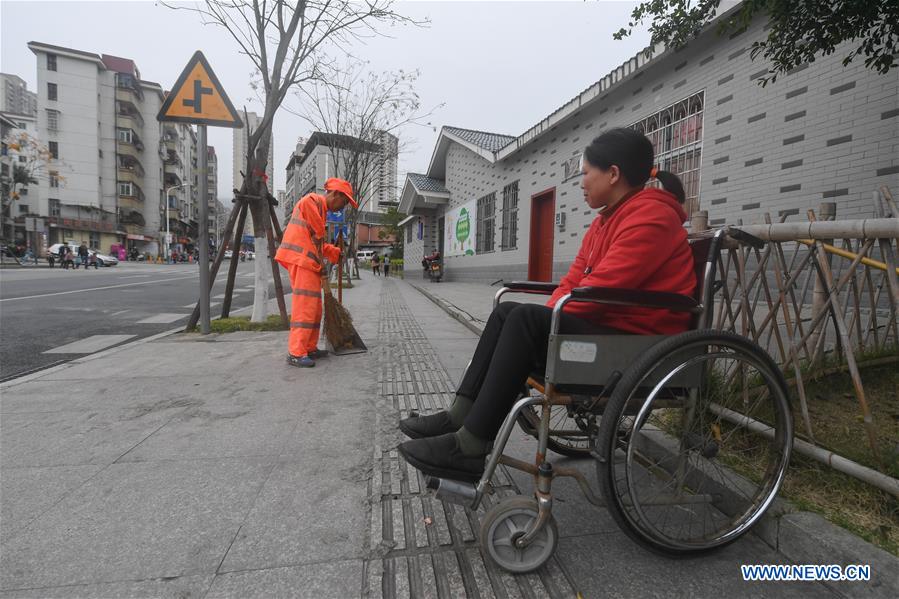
(204, 232)
(168, 236)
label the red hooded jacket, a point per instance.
(640, 244)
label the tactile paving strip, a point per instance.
(429, 548)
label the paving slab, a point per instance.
(178, 587)
(324, 580)
(137, 521)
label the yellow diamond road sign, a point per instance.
(199, 98)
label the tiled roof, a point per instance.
(425, 183)
(488, 141)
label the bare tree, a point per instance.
(361, 114)
(30, 159)
(286, 42)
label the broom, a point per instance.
(339, 329)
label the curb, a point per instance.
(801, 537)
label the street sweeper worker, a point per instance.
(302, 252)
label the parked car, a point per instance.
(365, 254)
(228, 253)
(102, 259)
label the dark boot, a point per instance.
(432, 425)
(442, 457)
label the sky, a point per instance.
(493, 66)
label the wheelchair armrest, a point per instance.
(531, 286)
(636, 297)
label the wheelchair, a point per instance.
(691, 434)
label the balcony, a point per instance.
(172, 179)
(130, 170)
(127, 89)
(130, 194)
(129, 121)
(172, 160)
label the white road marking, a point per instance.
(194, 305)
(12, 299)
(219, 296)
(120, 312)
(136, 277)
(90, 344)
(164, 318)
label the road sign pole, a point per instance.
(204, 232)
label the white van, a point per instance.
(364, 254)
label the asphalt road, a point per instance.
(42, 309)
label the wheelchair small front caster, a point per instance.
(505, 523)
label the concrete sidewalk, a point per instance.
(190, 466)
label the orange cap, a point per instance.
(344, 187)
(654, 172)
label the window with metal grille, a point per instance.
(51, 62)
(676, 136)
(54, 179)
(54, 149)
(54, 207)
(51, 91)
(510, 217)
(485, 223)
(52, 119)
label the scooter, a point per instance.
(435, 271)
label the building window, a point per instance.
(676, 135)
(486, 218)
(54, 179)
(510, 217)
(23, 209)
(23, 158)
(94, 239)
(23, 191)
(54, 149)
(409, 233)
(52, 119)
(125, 188)
(54, 208)
(51, 91)
(51, 62)
(125, 136)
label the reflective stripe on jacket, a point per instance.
(303, 242)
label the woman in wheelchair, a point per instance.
(637, 241)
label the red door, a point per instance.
(540, 258)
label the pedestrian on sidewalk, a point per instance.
(302, 253)
(386, 266)
(83, 255)
(636, 242)
(376, 264)
(69, 259)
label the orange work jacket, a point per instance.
(303, 242)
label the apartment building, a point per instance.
(111, 164)
(15, 97)
(386, 189)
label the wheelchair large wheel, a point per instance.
(506, 522)
(695, 442)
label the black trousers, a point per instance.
(512, 346)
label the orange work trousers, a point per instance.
(305, 310)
